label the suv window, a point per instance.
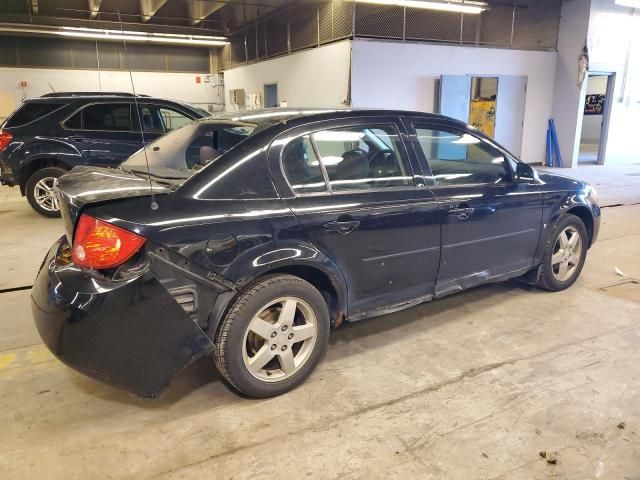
(363, 158)
(173, 119)
(458, 158)
(29, 112)
(151, 119)
(157, 119)
(107, 116)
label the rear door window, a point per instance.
(107, 116)
(30, 112)
(151, 119)
(363, 158)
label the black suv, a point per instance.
(49, 135)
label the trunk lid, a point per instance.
(87, 185)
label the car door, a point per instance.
(104, 133)
(351, 185)
(490, 223)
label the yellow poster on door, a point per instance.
(482, 115)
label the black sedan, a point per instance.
(312, 219)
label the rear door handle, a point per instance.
(77, 139)
(462, 213)
(343, 227)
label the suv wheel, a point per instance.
(273, 336)
(39, 190)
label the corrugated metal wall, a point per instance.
(531, 24)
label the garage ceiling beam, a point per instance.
(148, 8)
(200, 9)
(94, 8)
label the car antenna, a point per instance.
(52, 89)
(154, 205)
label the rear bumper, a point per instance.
(8, 176)
(131, 334)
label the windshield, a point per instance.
(190, 147)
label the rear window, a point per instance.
(29, 112)
(193, 145)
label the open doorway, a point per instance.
(482, 106)
(595, 122)
(492, 103)
(271, 95)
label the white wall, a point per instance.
(312, 78)
(178, 86)
(608, 53)
(403, 75)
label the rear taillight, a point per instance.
(99, 244)
(5, 139)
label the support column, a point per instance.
(568, 98)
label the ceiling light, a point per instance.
(133, 36)
(118, 35)
(450, 6)
(628, 3)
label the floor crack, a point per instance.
(467, 374)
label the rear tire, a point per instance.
(39, 191)
(273, 336)
(565, 253)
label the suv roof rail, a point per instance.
(92, 94)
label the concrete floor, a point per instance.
(471, 386)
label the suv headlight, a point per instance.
(592, 193)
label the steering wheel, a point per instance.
(378, 174)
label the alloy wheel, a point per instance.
(279, 339)
(566, 255)
(44, 195)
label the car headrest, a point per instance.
(383, 165)
(354, 165)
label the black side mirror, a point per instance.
(525, 173)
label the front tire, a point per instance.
(565, 253)
(273, 336)
(39, 191)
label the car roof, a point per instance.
(91, 96)
(266, 117)
(80, 98)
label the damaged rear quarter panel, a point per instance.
(223, 242)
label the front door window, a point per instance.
(458, 158)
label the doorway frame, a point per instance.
(606, 114)
(264, 93)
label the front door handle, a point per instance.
(463, 213)
(342, 226)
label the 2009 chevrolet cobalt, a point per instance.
(312, 219)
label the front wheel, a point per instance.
(273, 336)
(565, 253)
(39, 191)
